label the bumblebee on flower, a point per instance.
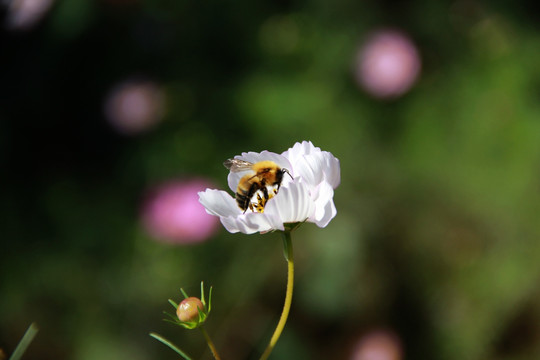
(260, 186)
(272, 190)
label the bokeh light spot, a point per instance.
(387, 64)
(135, 106)
(378, 345)
(25, 14)
(173, 214)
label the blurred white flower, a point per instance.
(307, 195)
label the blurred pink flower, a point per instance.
(387, 64)
(135, 106)
(173, 214)
(377, 345)
(25, 14)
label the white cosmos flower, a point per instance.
(306, 195)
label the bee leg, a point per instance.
(247, 197)
(242, 200)
(277, 184)
(265, 193)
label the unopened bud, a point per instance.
(188, 310)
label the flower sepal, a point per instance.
(192, 312)
(290, 227)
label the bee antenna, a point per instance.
(287, 171)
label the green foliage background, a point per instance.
(437, 233)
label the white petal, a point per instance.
(314, 165)
(332, 172)
(248, 223)
(310, 167)
(219, 203)
(291, 204)
(325, 208)
(299, 150)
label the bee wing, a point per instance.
(236, 165)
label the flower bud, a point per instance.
(191, 312)
(188, 310)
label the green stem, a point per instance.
(210, 343)
(25, 341)
(287, 242)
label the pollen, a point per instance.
(259, 200)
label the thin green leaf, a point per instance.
(184, 293)
(170, 315)
(202, 292)
(170, 345)
(173, 304)
(209, 300)
(25, 341)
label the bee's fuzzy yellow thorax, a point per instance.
(265, 165)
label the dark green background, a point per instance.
(437, 232)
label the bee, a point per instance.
(267, 175)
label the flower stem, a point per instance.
(210, 343)
(288, 250)
(25, 341)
